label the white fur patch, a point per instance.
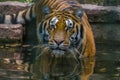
(53, 21)
(58, 52)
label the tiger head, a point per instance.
(61, 31)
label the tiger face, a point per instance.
(60, 32)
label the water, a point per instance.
(17, 64)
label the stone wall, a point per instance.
(11, 34)
(105, 20)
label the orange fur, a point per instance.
(59, 7)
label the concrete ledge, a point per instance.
(10, 33)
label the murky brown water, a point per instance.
(104, 66)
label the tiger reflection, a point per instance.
(51, 67)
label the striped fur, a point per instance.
(21, 17)
(60, 15)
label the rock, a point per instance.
(11, 7)
(102, 13)
(106, 32)
(11, 33)
(12, 64)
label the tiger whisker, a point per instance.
(45, 49)
(73, 52)
(80, 55)
(38, 46)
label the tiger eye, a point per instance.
(53, 26)
(69, 23)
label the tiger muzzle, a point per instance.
(58, 46)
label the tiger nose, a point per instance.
(58, 42)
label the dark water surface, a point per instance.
(16, 64)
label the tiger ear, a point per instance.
(46, 10)
(79, 13)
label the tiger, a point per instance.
(62, 26)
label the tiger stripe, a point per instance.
(2, 18)
(22, 17)
(12, 18)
